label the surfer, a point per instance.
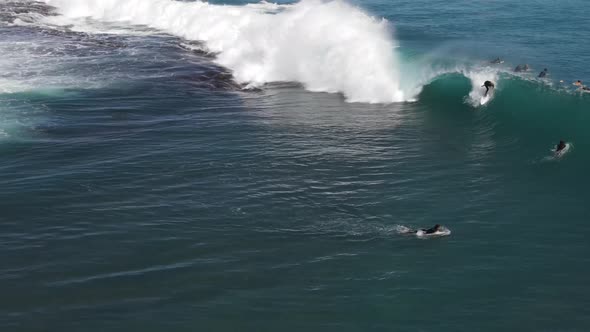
(487, 85)
(436, 230)
(497, 61)
(560, 146)
(431, 230)
(543, 73)
(578, 83)
(520, 68)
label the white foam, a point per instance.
(401, 229)
(18, 66)
(35, 65)
(83, 24)
(328, 46)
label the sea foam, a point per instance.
(326, 46)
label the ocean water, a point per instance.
(233, 166)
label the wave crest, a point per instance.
(327, 46)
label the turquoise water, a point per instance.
(145, 189)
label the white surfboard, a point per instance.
(485, 99)
(562, 152)
(443, 231)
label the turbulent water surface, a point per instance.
(230, 166)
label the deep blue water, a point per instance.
(143, 189)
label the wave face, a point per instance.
(326, 46)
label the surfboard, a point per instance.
(485, 99)
(561, 153)
(442, 232)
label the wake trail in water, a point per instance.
(327, 46)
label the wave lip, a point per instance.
(327, 46)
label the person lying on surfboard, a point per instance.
(431, 230)
(560, 146)
(437, 230)
(487, 85)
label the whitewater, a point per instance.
(326, 46)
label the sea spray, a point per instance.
(327, 46)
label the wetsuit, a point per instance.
(543, 73)
(560, 147)
(430, 230)
(488, 85)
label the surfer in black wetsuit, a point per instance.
(434, 229)
(543, 73)
(560, 146)
(487, 85)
